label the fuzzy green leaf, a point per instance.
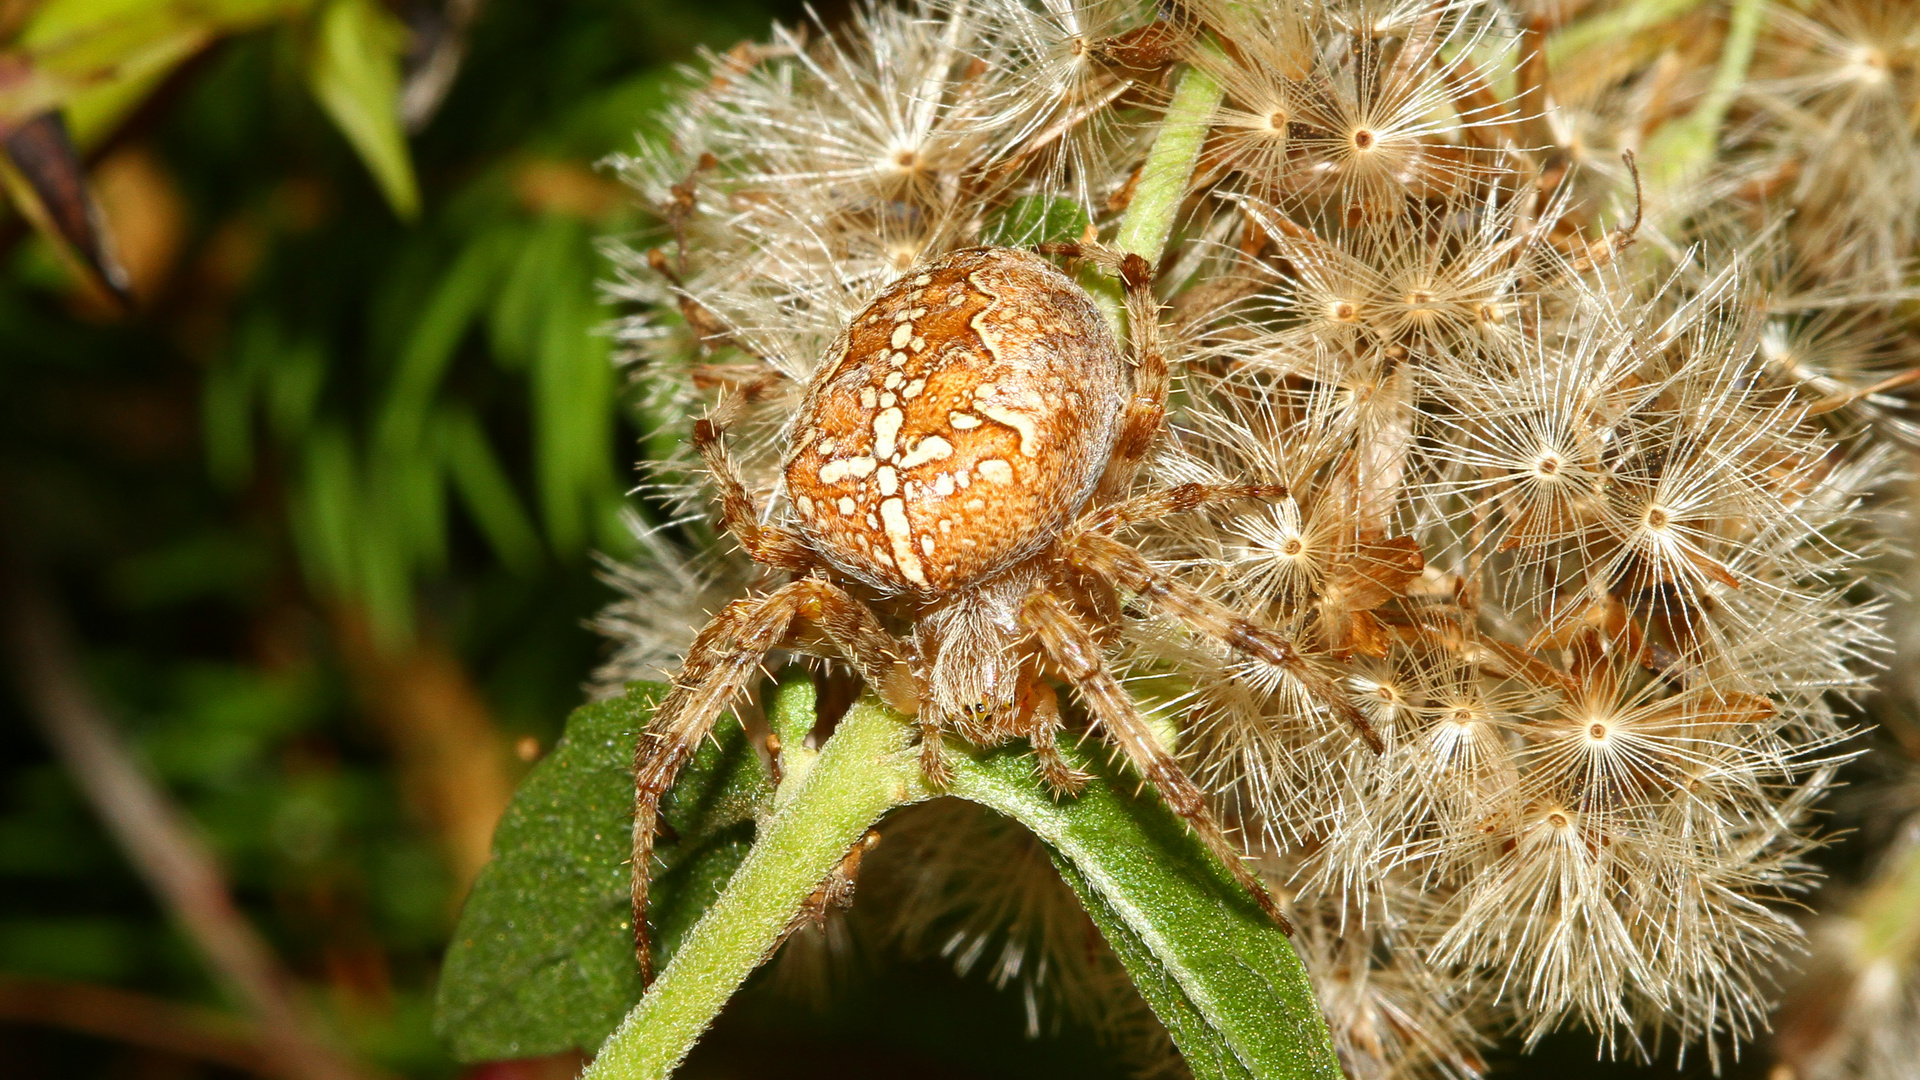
(542, 958)
(1217, 972)
(1036, 219)
(1224, 979)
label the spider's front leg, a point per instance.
(1103, 556)
(1077, 655)
(725, 655)
(1039, 721)
(1146, 411)
(1168, 502)
(769, 545)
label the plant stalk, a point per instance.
(866, 769)
(1612, 25)
(1149, 219)
(1684, 146)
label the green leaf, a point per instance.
(354, 71)
(513, 323)
(383, 562)
(1222, 978)
(542, 958)
(573, 390)
(323, 508)
(486, 492)
(614, 118)
(217, 562)
(226, 423)
(295, 375)
(408, 488)
(98, 59)
(1036, 219)
(430, 345)
(545, 317)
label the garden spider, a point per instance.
(961, 464)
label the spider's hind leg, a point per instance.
(1105, 557)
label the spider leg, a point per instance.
(933, 757)
(1167, 502)
(724, 657)
(773, 546)
(1077, 655)
(1040, 723)
(1146, 413)
(1115, 561)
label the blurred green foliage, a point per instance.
(323, 414)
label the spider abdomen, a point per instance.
(958, 424)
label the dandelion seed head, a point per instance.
(1583, 531)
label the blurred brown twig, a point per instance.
(109, 1012)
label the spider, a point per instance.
(962, 464)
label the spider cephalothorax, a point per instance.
(959, 467)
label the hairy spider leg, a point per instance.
(1076, 654)
(850, 624)
(764, 544)
(1169, 501)
(727, 652)
(1146, 412)
(1040, 723)
(933, 754)
(1102, 555)
(1091, 550)
(724, 656)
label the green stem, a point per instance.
(866, 769)
(1149, 219)
(1148, 222)
(1608, 28)
(1683, 146)
(1222, 977)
